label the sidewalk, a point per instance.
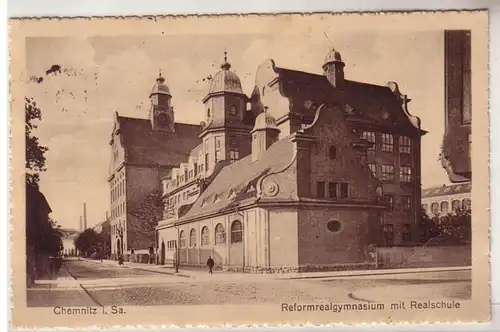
(199, 273)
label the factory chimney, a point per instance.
(84, 216)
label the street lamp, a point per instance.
(177, 243)
(120, 247)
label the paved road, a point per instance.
(114, 285)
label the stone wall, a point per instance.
(412, 257)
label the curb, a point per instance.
(374, 273)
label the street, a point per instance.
(83, 282)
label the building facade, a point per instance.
(142, 151)
(457, 141)
(440, 201)
(306, 173)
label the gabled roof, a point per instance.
(143, 145)
(372, 101)
(453, 189)
(238, 177)
(382, 106)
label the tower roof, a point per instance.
(265, 121)
(225, 80)
(332, 56)
(160, 87)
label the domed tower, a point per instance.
(161, 112)
(333, 69)
(225, 135)
(264, 133)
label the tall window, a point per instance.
(373, 169)
(206, 161)
(236, 232)
(406, 202)
(370, 137)
(389, 201)
(387, 143)
(405, 174)
(320, 190)
(444, 207)
(332, 190)
(389, 234)
(455, 204)
(192, 238)
(234, 154)
(388, 172)
(182, 239)
(406, 233)
(332, 152)
(435, 208)
(205, 239)
(344, 190)
(220, 234)
(404, 144)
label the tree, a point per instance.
(148, 214)
(88, 242)
(35, 153)
(428, 228)
(457, 226)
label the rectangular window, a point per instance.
(184, 195)
(405, 174)
(332, 190)
(370, 137)
(387, 143)
(404, 144)
(373, 169)
(406, 202)
(206, 161)
(344, 190)
(389, 234)
(185, 174)
(389, 202)
(388, 172)
(234, 154)
(321, 190)
(406, 234)
(195, 169)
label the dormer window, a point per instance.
(217, 198)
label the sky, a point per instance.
(103, 74)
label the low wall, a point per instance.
(422, 256)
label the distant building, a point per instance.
(456, 151)
(69, 236)
(143, 150)
(439, 201)
(304, 174)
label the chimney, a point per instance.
(85, 215)
(81, 224)
(264, 134)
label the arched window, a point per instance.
(182, 239)
(192, 238)
(435, 208)
(205, 240)
(236, 232)
(332, 152)
(466, 203)
(455, 204)
(220, 234)
(444, 207)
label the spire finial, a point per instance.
(160, 78)
(225, 65)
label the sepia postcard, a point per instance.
(228, 170)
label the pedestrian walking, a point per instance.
(210, 264)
